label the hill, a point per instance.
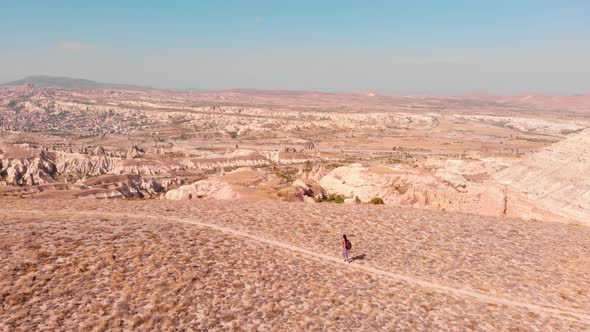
(209, 265)
(71, 83)
(552, 181)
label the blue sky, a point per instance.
(516, 46)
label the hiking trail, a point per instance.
(566, 314)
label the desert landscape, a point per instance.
(164, 265)
(129, 208)
(519, 156)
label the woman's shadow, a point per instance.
(358, 257)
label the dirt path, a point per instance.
(566, 314)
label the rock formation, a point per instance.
(134, 152)
(555, 181)
(558, 128)
(29, 171)
(395, 185)
(209, 188)
(308, 190)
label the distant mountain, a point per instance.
(71, 83)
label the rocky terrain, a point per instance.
(553, 181)
(158, 264)
(130, 209)
(474, 153)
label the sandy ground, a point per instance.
(210, 265)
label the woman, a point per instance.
(346, 246)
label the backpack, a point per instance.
(347, 244)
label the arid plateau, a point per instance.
(141, 209)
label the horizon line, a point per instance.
(367, 92)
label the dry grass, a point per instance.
(144, 272)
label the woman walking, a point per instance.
(346, 246)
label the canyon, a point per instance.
(501, 156)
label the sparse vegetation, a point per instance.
(333, 165)
(87, 136)
(143, 265)
(393, 161)
(376, 201)
(288, 174)
(400, 189)
(337, 199)
(331, 198)
(233, 134)
(24, 141)
(230, 168)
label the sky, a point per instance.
(409, 47)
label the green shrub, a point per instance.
(400, 189)
(233, 134)
(376, 200)
(335, 199)
(288, 174)
(229, 168)
(24, 141)
(333, 165)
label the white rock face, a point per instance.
(210, 188)
(398, 185)
(558, 128)
(555, 181)
(300, 184)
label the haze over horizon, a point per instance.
(428, 48)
